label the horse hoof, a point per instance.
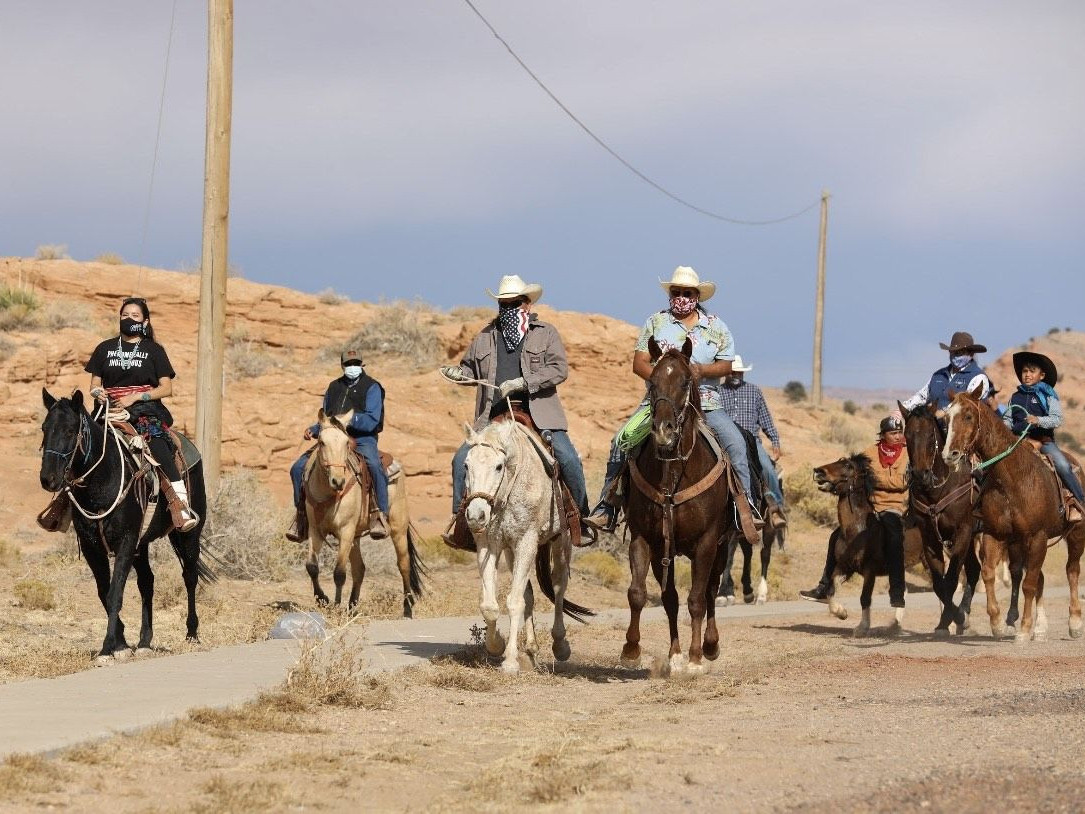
(408, 609)
(967, 623)
(323, 601)
(104, 660)
(941, 632)
(725, 601)
(511, 667)
(193, 639)
(142, 652)
(761, 600)
(839, 611)
(561, 649)
(860, 632)
(1039, 635)
(748, 598)
(1021, 638)
(711, 651)
(959, 629)
(997, 632)
(696, 668)
(629, 664)
(122, 655)
(677, 663)
(1075, 632)
(496, 646)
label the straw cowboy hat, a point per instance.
(738, 366)
(512, 286)
(1027, 357)
(685, 277)
(963, 341)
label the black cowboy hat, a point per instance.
(1027, 357)
(963, 341)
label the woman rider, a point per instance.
(133, 371)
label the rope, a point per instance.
(622, 161)
(154, 159)
(992, 461)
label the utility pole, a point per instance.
(819, 309)
(216, 217)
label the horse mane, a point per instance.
(865, 466)
(695, 390)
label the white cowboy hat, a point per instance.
(685, 277)
(738, 366)
(512, 286)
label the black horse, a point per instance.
(98, 472)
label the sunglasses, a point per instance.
(685, 292)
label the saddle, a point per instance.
(1071, 510)
(358, 467)
(459, 536)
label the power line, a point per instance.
(621, 160)
(157, 139)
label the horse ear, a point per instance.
(469, 431)
(977, 391)
(904, 411)
(951, 393)
(654, 351)
(687, 348)
(47, 399)
(77, 400)
(345, 418)
(321, 416)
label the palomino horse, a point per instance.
(941, 504)
(860, 539)
(108, 493)
(1020, 509)
(511, 509)
(336, 505)
(679, 503)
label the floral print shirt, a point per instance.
(712, 342)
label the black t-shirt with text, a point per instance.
(146, 360)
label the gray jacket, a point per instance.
(542, 364)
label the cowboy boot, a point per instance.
(299, 529)
(748, 518)
(604, 517)
(777, 518)
(378, 525)
(182, 515)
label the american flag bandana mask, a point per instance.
(513, 320)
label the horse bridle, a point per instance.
(679, 418)
(82, 442)
(491, 500)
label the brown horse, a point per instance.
(941, 504)
(1020, 509)
(337, 506)
(859, 541)
(678, 503)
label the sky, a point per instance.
(397, 151)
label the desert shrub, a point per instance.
(879, 408)
(399, 330)
(803, 496)
(1072, 403)
(110, 258)
(54, 251)
(1051, 331)
(33, 594)
(604, 567)
(246, 358)
(18, 308)
(434, 549)
(470, 313)
(329, 296)
(850, 407)
(839, 429)
(9, 554)
(59, 314)
(794, 391)
(331, 674)
(244, 531)
(7, 348)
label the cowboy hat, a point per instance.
(891, 423)
(963, 341)
(685, 277)
(738, 366)
(1027, 357)
(512, 286)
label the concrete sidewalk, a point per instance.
(46, 715)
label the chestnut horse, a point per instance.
(1020, 508)
(679, 502)
(860, 539)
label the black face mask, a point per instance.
(129, 327)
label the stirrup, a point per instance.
(378, 525)
(299, 528)
(184, 517)
(604, 517)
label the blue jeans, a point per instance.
(1062, 466)
(726, 431)
(367, 448)
(772, 480)
(572, 471)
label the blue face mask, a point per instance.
(961, 361)
(352, 371)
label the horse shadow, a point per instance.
(883, 635)
(474, 656)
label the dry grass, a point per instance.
(803, 496)
(52, 251)
(18, 308)
(247, 359)
(244, 531)
(33, 594)
(329, 296)
(165, 735)
(470, 313)
(603, 567)
(434, 550)
(7, 348)
(448, 673)
(331, 674)
(27, 774)
(400, 330)
(272, 712)
(846, 431)
(109, 258)
(238, 796)
(45, 662)
(59, 314)
(10, 555)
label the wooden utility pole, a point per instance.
(819, 309)
(216, 217)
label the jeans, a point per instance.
(894, 555)
(727, 432)
(1062, 466)
(572, 471)
(772, 480)
(367, 448)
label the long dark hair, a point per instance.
(148, 329)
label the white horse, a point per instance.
(512, 510)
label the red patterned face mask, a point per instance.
(683, 306)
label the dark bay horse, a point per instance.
(98, 472)
(1020, 509)
(859, 540)
(941, 504)
(679, 502)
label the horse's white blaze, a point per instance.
(951, 413)
(762, 592)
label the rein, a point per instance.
(992, 461)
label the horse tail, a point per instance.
(204, 572)
(542, 574)
(417, 571)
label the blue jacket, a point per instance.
(943, 381)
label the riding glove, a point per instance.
(453, 372)
(512, 386)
